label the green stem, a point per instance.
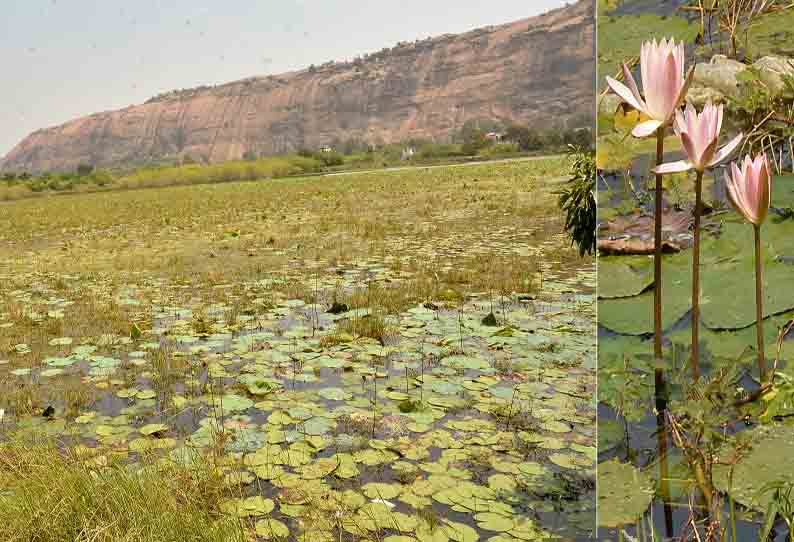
(659, 383)
(696, 280)
(657, 253)
(704, 484)
(759, 304)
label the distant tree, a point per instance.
(579, 137)
(353, 145)
(102, 177)
(526, 138)
(553, 138)
(332, 158)
(250, 155)
(474, 142)
(472, 126)
(84, 169)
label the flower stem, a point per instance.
(759, 304)
(658, 373)
(657, 254)
(696, 280)
(659, 385)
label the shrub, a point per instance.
(577, 201)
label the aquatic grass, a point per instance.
(371, 326)
(54, 494)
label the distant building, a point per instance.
(495, 136)
(408, 153)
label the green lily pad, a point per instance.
(271, 529)
(634, 315)
(768, 461)
(250, 507)
(335, 394)
(490, 521)
(624, 276)
(377, 490)
(232, 402)
(736, 275)
(624, 493)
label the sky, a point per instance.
(62, 59)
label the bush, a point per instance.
(332, 158)
(439, 150)
(475, 142)
(84, 169)
(526, 139)
(224, 172)
(577, 201)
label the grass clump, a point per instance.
(371, 326)
(54, 495)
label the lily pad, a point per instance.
(768, 461)
(624, 493)
(624, 276)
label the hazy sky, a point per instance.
(61, 59)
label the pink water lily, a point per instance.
(750, 192)
(662, 69)
(699, 134)
(750, 188)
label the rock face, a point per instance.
(533, 71)
(718, 79)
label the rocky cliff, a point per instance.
(535, 70)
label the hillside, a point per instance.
(533, 71)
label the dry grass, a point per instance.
(50, 495)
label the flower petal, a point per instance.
(765, 190)
(689, 146)
(647, 128)
(724, 152)
(623, 91)
(674, 167)
(669, 86)
(734, 180)
(705, 159)
(632, 85)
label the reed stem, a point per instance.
(695, 361)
